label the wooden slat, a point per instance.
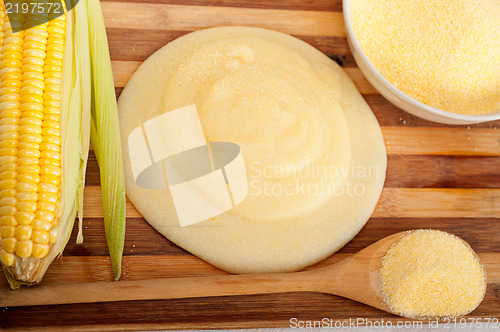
(394, 203)
(123, 70)
(263, 311)
(442, 141)
(417, 171)
(390, 116)
(484, 238)
(425, 171)
(316, 5)
(148, 16)
(438, 203)
(360, 81)
(138, 45)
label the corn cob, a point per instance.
(42, 165)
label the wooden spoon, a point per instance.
(356, 278)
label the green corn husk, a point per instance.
(105, 137)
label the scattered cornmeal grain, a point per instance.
(429, 273)
(442, 53)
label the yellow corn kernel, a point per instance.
(51, 54)
(28, 169)
(26, 187)
(48, 162)
(27, 161)
(8, 221)
(31, 107)
(35, 44)
(34, 77)
(7, 160)
(55, 180)
(45, 215)
(8, 167)
(9, 121)
(24, 217)
(40, 250)
(39, 236)
(53, 62)
(9, 97)
(34, 61)
(6, 258)
(40, 30)
(32, 98)
(50, 131)
(51, 124)
(33, 153)
(34, 53)
(8, 152)
(23, 232)
(8, 184)
(50, 147)
(30, 129)
(26, 206)
(52, 139)
(41, 225)
(47, 206)
(28, 145)
(24, 248)
(54, 232)
(9, 244)
(47, 187)
(53, 74)
(33, 114)
(10, 113)
(9, 135)
(9, 143)
(8, 175)
(7, 210)
(7, 193)
(33, 138)
(21, 197)
(7, 231)
(11, 201)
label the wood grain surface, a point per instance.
(439, 176)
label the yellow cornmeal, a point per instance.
(429, 273)
(445, 54)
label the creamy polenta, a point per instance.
(313, 151)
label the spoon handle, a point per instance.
(156, 289)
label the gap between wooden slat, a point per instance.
(76, 269)
(393, 203)
(165, 17)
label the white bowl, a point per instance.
(396, 96)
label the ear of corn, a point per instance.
(44, 129)
(105, 137)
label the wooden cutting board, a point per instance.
(438, 176)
